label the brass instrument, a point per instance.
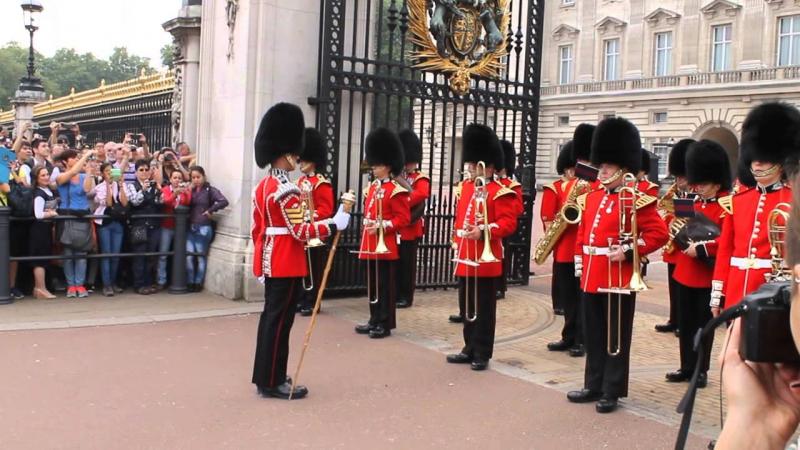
(308, 210)
(666, 205)
(628, 233)
(380, 247)
(570, 214)
(776, 231)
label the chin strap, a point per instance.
(686, 406)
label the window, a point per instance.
(789, 41)
(721, 48)
(663, 54)
(611, 61)
(565, 66)
(662, 151)
(660, 117)
(563, 120)
(567, 2)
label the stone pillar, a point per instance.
(185, 30)
(24, 100)
(254, 53)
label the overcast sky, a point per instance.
(95, 26)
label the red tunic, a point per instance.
(396, 214)
(692, 272)
(514, 185)
(278, 230)
(648, 187)
(322, 194)
(420, 191)
(600, 221)
(554, 198)
(743, 258)
(502, 219)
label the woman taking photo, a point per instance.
(45, 203)
(206, 200)
(110, 198)
(175, 194)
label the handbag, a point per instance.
(116, 211)
(698, 229)
(20, 199)
(76, 233)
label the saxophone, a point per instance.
(570, 214)
(667, 207)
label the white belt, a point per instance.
(750, 263)
(277, 231)
(595, 251)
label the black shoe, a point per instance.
(282, 391)
(583, 396)
(558, 312)
(576, 351)
(379, 332)
(666, 327)
(559, 346)
(702, 380)
(500, 295)
(305, 312)
(606, 405)
(459, 358)
(16, 293)
(679, 376)
(364, 328)
(479, 364)
(455, 318)
(402, 304)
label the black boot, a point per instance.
(559, 346)
(606, 404)
(459, 358)
(455, 318)
(283, 390)
(363, 328)
(577, 351)
(583, 396)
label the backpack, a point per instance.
(20, 199)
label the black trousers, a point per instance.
(317, 256)
(693, 314)
(605, 373)
(674, 294)
(566, 290)
(382, 286)
(407, 271)
(555, 295)
(479, 334)
(274, 326)
(502, 282)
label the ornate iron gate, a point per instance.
(367, 79)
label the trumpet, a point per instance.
(776, 232)
(628, 233)
(380, 247)
(308, 210)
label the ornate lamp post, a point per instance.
(31, 10)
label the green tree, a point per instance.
(13, 66)
(168, 56)
(123, 66)
(68, 69)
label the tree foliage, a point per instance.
(66, 69)
(168, 56)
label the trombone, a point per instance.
(308, 211)
(628, 233)
(380, 247)
(777, 221)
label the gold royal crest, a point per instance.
(461, 38)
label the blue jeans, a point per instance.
(197, 241)
(110, 236)
(74, 269)
(166, 242)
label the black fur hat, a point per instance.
(645, 162)
(617, 141)
(314, 149)
(509, 157)
(412, 147)
(707, 162)
(481, 144)
(771, 133)
(676, 164)
(280, 132)
(566, 158)
(383, 147)
(582, 141)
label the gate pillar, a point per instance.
(185, 31)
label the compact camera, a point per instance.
(766, 333)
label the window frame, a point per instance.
(791, 34)
(727, 45)
(569, 61)
(667, 51)
(617, 59)
(662, 149)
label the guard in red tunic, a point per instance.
(279, 234)
(564, 286)
(769, 141)
(485, 211)
(505, 175)
(708, 171)
(411, 235)
(676, 165)
(313, 184)
(386, 211)
(606, 262)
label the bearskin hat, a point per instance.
(676, 164)
(566, 158)
(771, 133)
(707, 162)
(481, 144)
(509, 157)
(617, 141)
(314, 149)
(412, 147)
(582, 141)
(383, 147)
(281, 132)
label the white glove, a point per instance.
(341, 219)
(578, 266)
(716, 294)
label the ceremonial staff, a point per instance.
(348, 200)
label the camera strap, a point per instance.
(686, 405)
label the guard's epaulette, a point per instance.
(503, 191)
(551, 186)
(398, 189)
(285, 187)
(295, 215)
(651, 185)
(321, 179)
(645, 200)
(726, 203)
(582, 200)
(421, 176)
(514, 183)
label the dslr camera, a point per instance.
(766, 333)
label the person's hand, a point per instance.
(55, 126)
(472, 232)
(715, 311)
(763, 399)
(50, 213)
(207, 214)
(371, 230)
(142, 139)
(76, 129)
(341, 219)
(616, 254)
(691, 251)
(25, 126)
